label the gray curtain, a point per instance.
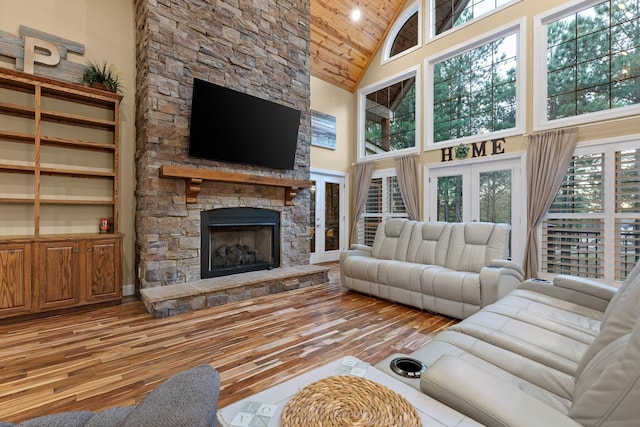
(548, 157)
(407, 173)
(363, 172)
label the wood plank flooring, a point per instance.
(114, 356)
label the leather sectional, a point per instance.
(561, 353)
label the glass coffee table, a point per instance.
(265, 408)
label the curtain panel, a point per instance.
(548, 157)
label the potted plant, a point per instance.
(101, 75)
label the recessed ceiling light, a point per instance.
(355, 15)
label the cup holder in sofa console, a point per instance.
(408, 367)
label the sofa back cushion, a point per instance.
(619, 317)
(607, 390)
(473, 245)
(429, 243)
(392, 239)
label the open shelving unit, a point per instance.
(59, 174)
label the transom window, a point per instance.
(475, 91)
(592, 60)
(405, 35)
(593, 226)
(384, 201)
(448, 14)
(388, 118)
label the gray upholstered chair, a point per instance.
(186, 399)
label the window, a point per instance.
(387, 118)
(475, 91)
(405, 35)
(448, 14)
(592, 62)
(384, 201)
(593, 226)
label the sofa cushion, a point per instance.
(392, 239)
(571, 325)
(608, 389)
(473, 245)
(441, 287)
(429, 243)
(547, 385)
(550, 312)
(550, 348)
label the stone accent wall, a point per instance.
(260, 47)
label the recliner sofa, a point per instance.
(556, 353)
(453, 269)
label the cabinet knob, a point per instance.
(76, 250)
(89, 248)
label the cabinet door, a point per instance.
(59, 274)
(15, 279)
(103, 269)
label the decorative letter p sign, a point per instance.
(33, 49)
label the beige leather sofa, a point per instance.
(552, 354)
(448, 268)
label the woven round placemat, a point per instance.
(348, 401)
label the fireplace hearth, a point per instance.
(238, 240)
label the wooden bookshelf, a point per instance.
(55, 126)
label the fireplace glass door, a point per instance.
(240, 246)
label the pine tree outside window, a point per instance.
(591, 62)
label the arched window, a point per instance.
(406, 34)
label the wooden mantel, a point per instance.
(194, 177)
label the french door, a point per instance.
(490, 191)
(327, 216)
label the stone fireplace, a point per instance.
(259, 48)
(237, 240)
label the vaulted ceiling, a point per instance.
(341, 49)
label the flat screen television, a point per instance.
(230, 126)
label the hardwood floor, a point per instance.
(113, 356)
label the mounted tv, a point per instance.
(230, 126)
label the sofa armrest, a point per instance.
(485, 398)
(361, 247)
(585, 286)
(498, 279)
(585, 292)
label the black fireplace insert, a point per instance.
(237, 240)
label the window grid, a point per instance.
(475, 92)
(593, 60)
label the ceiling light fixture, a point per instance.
(355, 15)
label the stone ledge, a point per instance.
(163, 301)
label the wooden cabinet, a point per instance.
(58, 275)
(103, 277)
(59, 171)
(15, 279)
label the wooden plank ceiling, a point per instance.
(341, 50)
